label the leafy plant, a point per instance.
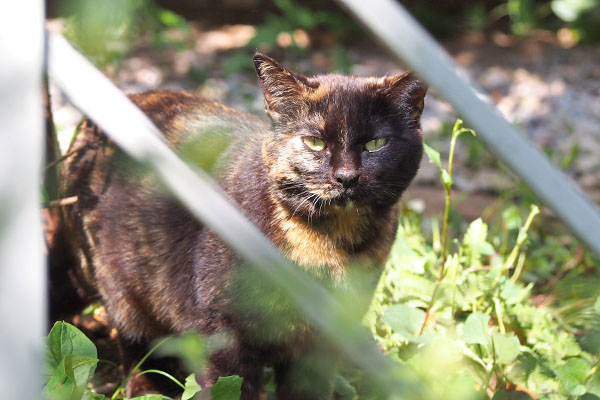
(463, 318)
(71, 360)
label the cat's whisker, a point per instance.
(299, 205)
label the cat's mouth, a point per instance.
(343, 197)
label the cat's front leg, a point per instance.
(234, 360)
(307, 378)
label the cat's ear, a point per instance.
(284, 90)
(406, 91)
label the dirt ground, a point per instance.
(551, 92)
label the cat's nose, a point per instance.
(346, 176)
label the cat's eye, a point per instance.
(314, 143)
(375, 144)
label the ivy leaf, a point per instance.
(405, 320)
(65, 339)
(70, 377)
(506, 346)
(572, 376)
(227, 388)
(191, 387)
(476, 329)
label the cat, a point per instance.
(322, 180)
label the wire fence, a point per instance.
(22, 290)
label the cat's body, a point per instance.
(160, 271)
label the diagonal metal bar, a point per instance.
(98, 98)
(398, 31)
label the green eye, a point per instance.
(375, 144)
(314, 143)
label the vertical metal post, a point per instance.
(22, 272)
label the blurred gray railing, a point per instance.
(22, 274)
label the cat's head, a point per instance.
(340, 142)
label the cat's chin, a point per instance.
(345, 204)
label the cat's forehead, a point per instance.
(344, 100)
(333, 87)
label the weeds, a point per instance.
(464, 319)
(72, 359)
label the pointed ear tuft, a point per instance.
(283, 89)
(406, 91)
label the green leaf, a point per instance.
(65, 339)
(483, 248)
(512, 293)
(405, 320)
(170, 19)
(512, 217)
(593, 384)
(597, 305)
(342, 389)
(476, 241)
(434, 155)
(227, 388)
(446, 179)
(476, 232)
(513, 395)
(570, 10)
(476, 329)
(70, 378)
(572, 376)
(506, 346)
(191, 387)
(45, 197)
(89, 395)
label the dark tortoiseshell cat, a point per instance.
(322, 181)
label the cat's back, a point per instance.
(128, 232)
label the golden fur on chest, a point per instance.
(330, 244)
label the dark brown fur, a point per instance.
(159, 271)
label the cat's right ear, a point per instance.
(284, 90)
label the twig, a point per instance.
(62, 202)
(62, 158)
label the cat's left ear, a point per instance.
(406, 91)
(284, 90)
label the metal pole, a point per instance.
(22, 272)
(391, 24)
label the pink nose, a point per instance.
(346, 176)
